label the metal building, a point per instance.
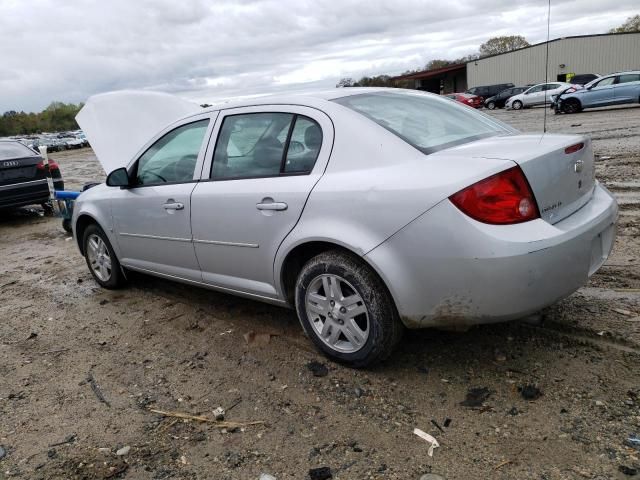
(568, 56)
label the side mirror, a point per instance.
(118, 178)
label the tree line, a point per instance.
(493, 46)
(57, 117)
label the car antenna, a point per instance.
(546, 69)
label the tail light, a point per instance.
(574, 148)
(52, 165)
(502, 199)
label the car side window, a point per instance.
(304, 146)
(535, 89)
(173, 157)
(605, 82)
(629, 77)
(257, 145)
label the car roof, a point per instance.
(307, 97)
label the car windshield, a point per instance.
(10, 150)
(426, 122)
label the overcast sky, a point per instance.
(211, 50)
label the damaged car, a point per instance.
(366, 210)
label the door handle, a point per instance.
(271, 206)
(171, 204)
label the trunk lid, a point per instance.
(17, 163)
(561, 182)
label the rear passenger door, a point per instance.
(627, 88)
(256, 179)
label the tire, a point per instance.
(516, 105)
(97, 250)
(571, 105)
(358, 341)
(48, 208)
(491, 105)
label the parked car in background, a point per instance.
(537, 95)
(486, 91)
(613, 89)
(499, 100)
(22, 176)
(583, 78)
(364, 209)
(466, 98)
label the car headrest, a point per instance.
(268, 153)
(313, 137)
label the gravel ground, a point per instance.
(82, 369)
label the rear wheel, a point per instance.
(516, 105)
(346, 309)
(101, 259)
(571, 105)
(491, 105)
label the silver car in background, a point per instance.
(540, 94)
(366, 210)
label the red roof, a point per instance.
(432, 73)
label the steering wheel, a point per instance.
(157, 175)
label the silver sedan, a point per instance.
(368, 211)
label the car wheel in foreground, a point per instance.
(571, 105)
(516, 105)
(101, 259)
(491, 105)
(346, 309)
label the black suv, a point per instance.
(498, 101)
(486, 91)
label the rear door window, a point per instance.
(629, 77)
(266, 144)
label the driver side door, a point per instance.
(152, 218)
(600, 94)
(533, 96)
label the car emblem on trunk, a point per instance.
(10, 164)
(578, 166)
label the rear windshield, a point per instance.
(427, 122)
(10, 150)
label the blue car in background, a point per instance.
(613, 89)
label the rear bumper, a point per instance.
(27, 193)
(446, 269)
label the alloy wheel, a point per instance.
(99, 257)
(337, 313)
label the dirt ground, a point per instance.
(82, 368)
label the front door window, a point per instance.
(172, 159)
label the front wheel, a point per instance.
(491, 105)
(516, 105)
(346, 309)
(101, 259)
(571, 106)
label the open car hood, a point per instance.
(119, 124)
